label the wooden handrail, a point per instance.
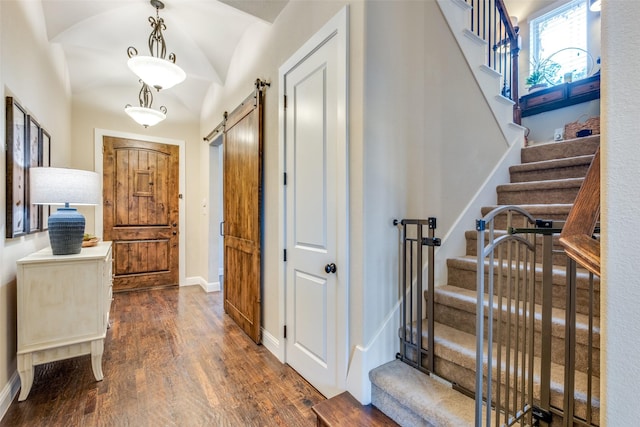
(576, 236)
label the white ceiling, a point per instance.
(203, 34)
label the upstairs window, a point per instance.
(559, 43)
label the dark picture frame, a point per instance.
(34, 156)
(16, 161)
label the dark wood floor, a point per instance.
(172, 358)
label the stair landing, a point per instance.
(345, 410)
(412, 398)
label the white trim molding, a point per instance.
(8, 393)
(271, 343)
(200, 281)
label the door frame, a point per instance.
(337, 27)
(99, 134)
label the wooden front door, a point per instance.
(141, 193)
(242, 193)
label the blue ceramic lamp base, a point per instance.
(66, 231)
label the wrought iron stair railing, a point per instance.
(510, 362)
(491, 22)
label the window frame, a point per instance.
(547, 14)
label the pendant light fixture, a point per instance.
(144, 114)
(155, 70)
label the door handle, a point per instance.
(330, 268)
(222, 228)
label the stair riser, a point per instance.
(394, 409)
(570, 148)
(550, 195)
(558, 257)
(548, 174)
(500, 221)
(466, 322)
(465, 378)
(467, 279)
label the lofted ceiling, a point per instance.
(203, 34)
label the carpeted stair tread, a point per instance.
(459, 348)
(558, 256)
(570, 167)
(555, 150)
(412, 398)
(553, 164)
(539, 210)
(465, 300)
(559, 272)
(541, 185)
(548, 191)
(550, 211)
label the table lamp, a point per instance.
(60, 186)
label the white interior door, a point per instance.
(316, 270)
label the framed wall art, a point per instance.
(34, 212)
(45, 142)
(16, 161)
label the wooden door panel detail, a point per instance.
(143, 256)
(141, 212)
(240, 302)
(242, 215)
(141, 198)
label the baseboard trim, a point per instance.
(381, 349)
(8, 393)
(199, 281)
(272, 344)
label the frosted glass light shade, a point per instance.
(156, 72)
(58, 186)
(595, 5)
(145, 116)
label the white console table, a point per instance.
(63, 308)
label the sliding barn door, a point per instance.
(242, 206)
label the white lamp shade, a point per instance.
(156, 72)
(145, 116)
(57, 186)
(595, 5)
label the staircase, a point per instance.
(545, 184)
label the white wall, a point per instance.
(35, 74)
(620, 187)
(430, 141)
(407, 79)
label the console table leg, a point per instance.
(97, 349)
(25, 370)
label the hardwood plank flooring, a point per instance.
(172, 358)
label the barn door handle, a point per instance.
(330, 268)
(222, 228)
